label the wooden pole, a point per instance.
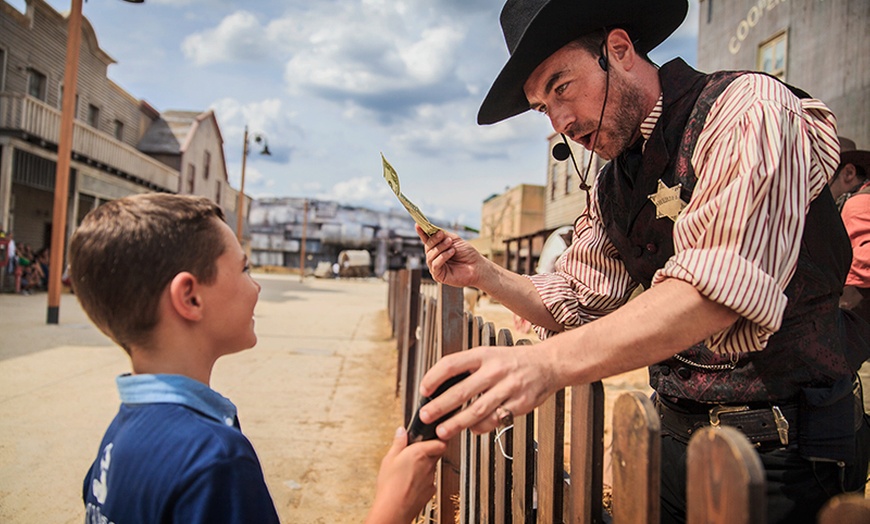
(64, 153)
(240, 205)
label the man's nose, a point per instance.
(562, 120)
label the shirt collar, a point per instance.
(649, 123)
(176, 389)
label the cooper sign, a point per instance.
(749, 21)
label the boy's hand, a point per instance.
(406, 481)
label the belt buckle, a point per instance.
(781, 425)
(715, 411)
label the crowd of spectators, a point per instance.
(25, 269)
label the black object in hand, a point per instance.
(417, 430)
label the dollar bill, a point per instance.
(392, 179)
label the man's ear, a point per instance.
(620, 48)
(184, 296)
(849, 175)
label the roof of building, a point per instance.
(167, 134)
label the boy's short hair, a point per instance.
(125, 253)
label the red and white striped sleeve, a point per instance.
(590, 279)
(761, 158)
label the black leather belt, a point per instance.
(775, 425)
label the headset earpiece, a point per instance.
(603, 63)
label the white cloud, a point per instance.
(359, 190)
(237, 37)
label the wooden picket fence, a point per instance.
(525, 477)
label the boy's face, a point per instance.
(230, 299)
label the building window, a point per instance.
(93, 116)
(2, 70)
(553, 177)
(36, 84)
(191, 178)
(206, 164)
(568, 173)
(119, 130)
(772, 56)
(217, 196)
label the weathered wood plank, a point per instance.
(636, 460)
(725, 479)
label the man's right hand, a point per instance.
(451, 260)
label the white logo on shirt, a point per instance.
(101, 487)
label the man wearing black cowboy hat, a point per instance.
(715, 200)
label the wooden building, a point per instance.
(118, 148)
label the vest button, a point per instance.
(638, 251)
(652, 248)
(684, 373)
(666, 370)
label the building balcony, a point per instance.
(36, 122)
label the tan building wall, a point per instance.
(517, 212)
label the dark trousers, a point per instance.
(796, 488)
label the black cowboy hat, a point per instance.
(850, 154)
(535, 29)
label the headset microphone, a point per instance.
(561, 151)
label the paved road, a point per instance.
(315, 396)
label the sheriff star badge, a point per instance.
(668, 202)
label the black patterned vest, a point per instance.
(807, 351)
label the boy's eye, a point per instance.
(247, 268)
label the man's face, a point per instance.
(569, 87)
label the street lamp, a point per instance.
(64, 152)
(240, 205)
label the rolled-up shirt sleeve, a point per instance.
(762, 157)
(590, 279)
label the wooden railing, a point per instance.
(524, 477)
(33, 118)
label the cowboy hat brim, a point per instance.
(557, 23)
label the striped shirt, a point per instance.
(761, 158)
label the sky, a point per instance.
(331, 84)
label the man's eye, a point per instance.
(542, 110)
(561, 88)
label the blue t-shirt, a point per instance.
(175, 453)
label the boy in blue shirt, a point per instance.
(164, 277)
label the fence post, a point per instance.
(401, 285)
(551, 459)
(523, 467)
(486, 493)
(636, 460)
(409, 309)
(725, 479)
(849, 508)
(501, 450)
(449, 327)
(587, 454)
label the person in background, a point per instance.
(851, 188)
(715, 200)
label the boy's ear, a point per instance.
(184, 296)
